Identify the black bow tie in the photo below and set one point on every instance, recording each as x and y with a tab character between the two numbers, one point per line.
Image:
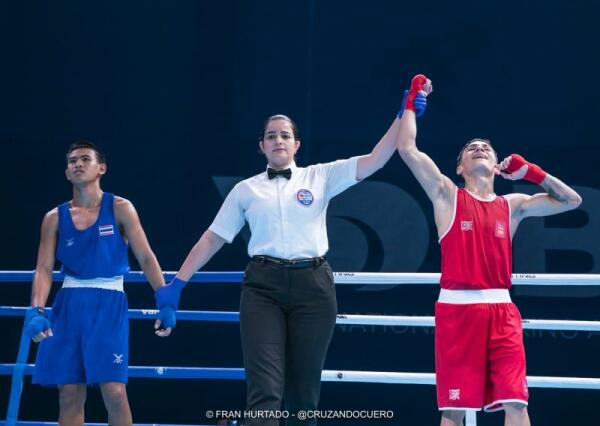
286	173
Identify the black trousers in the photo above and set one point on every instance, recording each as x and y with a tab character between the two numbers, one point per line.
287	318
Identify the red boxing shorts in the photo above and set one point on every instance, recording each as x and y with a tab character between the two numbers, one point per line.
479	356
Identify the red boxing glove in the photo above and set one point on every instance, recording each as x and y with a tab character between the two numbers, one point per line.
534	173
415	87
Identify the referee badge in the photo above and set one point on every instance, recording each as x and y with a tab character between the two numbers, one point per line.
304	197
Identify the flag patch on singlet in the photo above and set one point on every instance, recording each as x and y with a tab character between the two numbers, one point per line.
105	230
500	229
466	225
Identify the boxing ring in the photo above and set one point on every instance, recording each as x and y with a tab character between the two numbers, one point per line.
20	368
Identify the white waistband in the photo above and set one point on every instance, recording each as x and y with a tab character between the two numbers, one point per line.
459	297
114	283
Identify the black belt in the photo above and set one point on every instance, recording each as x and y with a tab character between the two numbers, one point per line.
296	263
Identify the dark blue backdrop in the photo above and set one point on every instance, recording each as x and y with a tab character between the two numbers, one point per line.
176	93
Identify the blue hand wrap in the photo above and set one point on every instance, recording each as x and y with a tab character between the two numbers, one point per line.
36	321
169	294
167	317
420	104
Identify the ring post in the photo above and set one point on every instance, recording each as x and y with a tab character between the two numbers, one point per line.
17	379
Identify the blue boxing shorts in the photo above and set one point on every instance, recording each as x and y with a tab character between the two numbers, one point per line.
90	342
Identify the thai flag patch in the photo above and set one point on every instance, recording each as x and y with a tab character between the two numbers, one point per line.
105	230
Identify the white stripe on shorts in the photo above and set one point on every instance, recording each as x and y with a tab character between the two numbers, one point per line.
463	297
114	283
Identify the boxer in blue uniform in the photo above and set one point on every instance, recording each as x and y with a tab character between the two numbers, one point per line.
84	341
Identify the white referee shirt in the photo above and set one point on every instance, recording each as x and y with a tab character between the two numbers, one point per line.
286	217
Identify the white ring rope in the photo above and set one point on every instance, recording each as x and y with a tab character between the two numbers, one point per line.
434	278
362	278
429	322
429	379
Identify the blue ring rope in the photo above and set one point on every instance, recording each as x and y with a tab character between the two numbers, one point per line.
20	368
22	423
133	276
155	372
218	316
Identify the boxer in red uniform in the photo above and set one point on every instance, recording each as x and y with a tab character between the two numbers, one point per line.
479	354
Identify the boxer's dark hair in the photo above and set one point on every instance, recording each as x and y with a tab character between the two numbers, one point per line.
83	144
465	146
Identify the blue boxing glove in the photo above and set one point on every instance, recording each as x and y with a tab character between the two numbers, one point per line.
419	104
36	321
167	301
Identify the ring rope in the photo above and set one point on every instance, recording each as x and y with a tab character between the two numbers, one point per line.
168	372
383	320
20	368
355	278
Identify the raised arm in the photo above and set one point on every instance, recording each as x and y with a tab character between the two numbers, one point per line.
368	164
37	324
558	198
437	186
383	151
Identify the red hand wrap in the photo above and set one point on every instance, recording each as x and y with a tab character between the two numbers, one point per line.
415	87
534	173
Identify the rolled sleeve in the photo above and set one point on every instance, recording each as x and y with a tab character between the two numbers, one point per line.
340	175
230	219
